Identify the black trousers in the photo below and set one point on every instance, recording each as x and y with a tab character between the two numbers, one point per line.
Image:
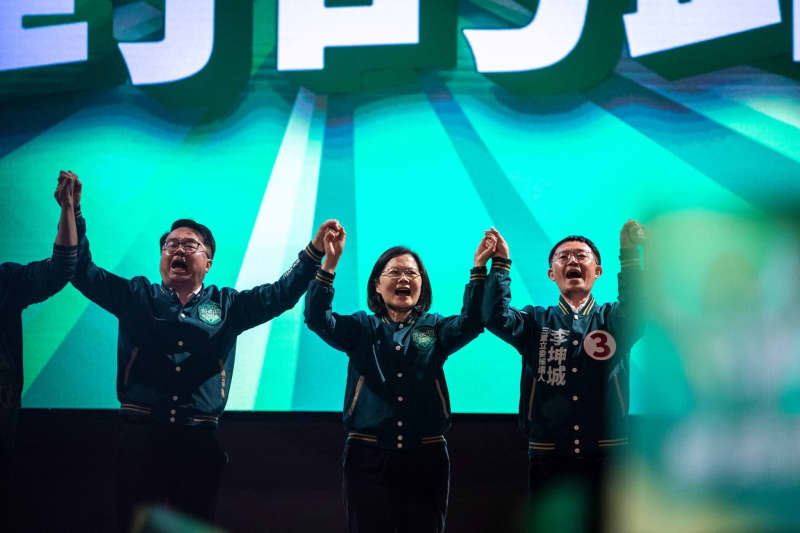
178	466
388	491
567	493
9	412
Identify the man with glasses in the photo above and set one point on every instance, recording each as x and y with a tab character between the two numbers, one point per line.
575	365
175	355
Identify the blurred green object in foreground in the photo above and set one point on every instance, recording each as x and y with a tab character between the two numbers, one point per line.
724	289
156	519
563	508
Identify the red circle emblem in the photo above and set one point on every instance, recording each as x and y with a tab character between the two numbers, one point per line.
599	345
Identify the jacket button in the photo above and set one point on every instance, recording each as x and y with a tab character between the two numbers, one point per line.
399	444
399	437
174	398
183	315
577	441
180	343
400	326
399	423
399	374
575	342
398	347
399	398
576	317
172	420
577	450
574	370
576	427
172	412
177	369
574	398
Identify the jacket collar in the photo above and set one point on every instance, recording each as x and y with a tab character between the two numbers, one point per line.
171	291
407	322
587	307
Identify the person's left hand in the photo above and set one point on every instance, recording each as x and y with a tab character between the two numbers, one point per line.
485	249
319	239
632	235
334	246
501	250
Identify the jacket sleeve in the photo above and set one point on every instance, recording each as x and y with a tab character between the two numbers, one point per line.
454	332
255	306
500	318
627	316
107	290
37	281
339	331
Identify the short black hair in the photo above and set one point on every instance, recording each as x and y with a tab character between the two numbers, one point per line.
375	301
578	238
200	229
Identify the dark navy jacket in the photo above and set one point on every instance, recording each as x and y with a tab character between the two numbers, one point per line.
575	365
396	395
174	361
21	286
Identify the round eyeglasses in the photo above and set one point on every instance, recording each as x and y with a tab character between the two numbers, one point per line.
579	255
396	273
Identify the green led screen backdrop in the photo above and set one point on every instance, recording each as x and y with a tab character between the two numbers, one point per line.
416	122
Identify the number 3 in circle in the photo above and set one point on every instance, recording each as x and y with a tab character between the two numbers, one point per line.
599	345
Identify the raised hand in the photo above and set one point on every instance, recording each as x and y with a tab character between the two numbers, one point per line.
632	235
74	189
77	189
319	239
334	246
65	190
65	196
485	250
501	249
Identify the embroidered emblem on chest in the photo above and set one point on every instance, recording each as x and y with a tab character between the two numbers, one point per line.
423	337
209	312
599	345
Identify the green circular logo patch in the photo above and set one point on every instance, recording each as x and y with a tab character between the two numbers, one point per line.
423	337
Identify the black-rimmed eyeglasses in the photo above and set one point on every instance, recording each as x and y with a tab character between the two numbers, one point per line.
189	246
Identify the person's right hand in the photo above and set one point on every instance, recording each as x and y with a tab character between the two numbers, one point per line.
77	189
485	249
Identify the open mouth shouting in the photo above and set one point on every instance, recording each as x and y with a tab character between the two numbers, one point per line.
573	273
402	297
179	265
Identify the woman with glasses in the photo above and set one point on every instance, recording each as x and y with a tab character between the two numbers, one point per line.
396	408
